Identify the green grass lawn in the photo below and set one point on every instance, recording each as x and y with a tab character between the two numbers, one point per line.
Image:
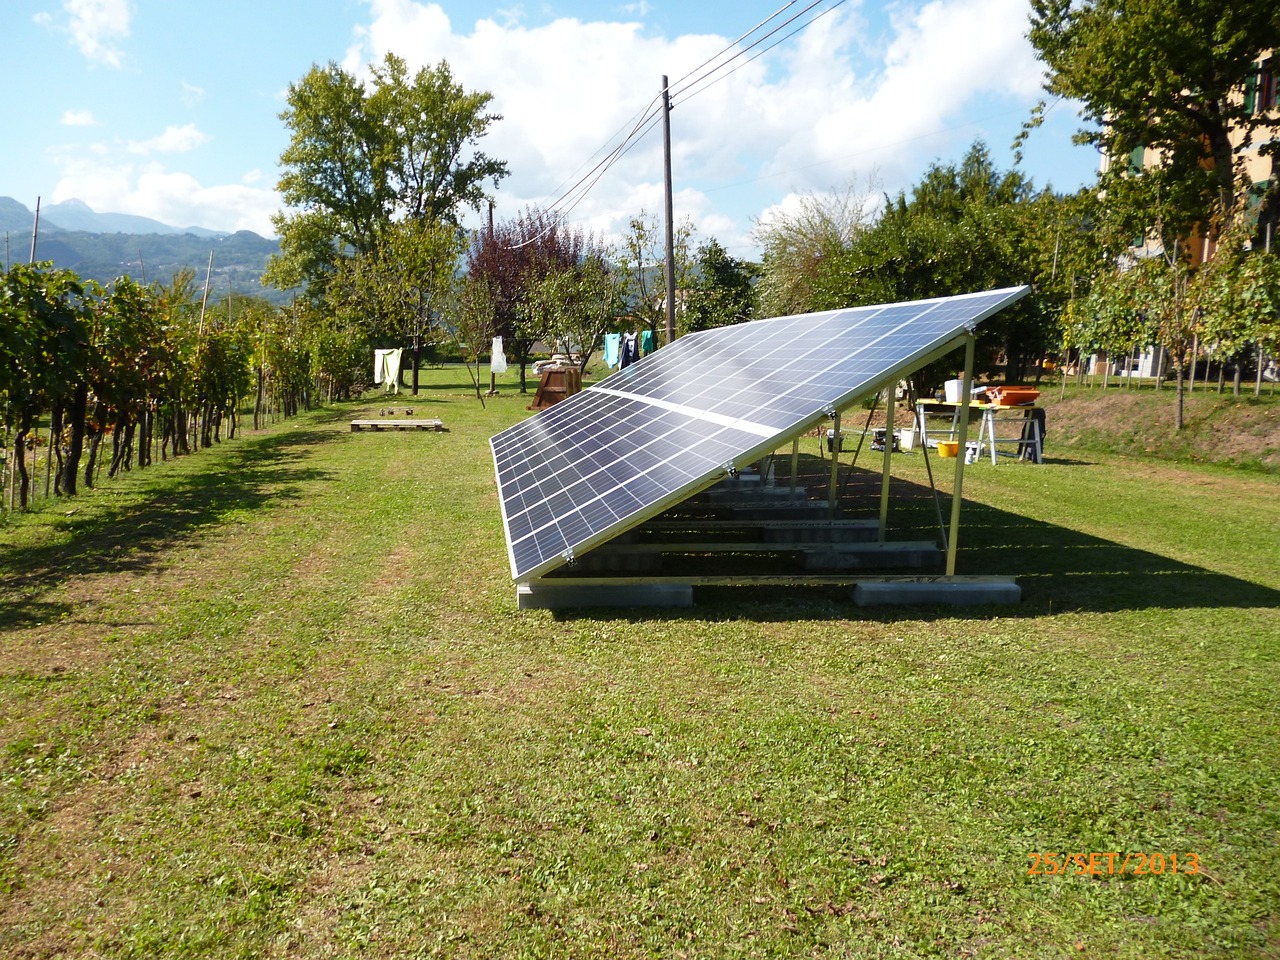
275	700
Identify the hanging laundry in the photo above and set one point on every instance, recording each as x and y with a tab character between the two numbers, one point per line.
612	349
386	370
380	366
497	359
630	349
646	342
393	371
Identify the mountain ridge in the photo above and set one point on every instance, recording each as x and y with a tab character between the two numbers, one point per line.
75	214
95	247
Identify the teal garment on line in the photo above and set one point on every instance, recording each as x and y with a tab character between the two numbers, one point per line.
646	342
612	346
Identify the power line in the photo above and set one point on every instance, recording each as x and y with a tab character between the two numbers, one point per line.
650	114
755	43
804	26
734	44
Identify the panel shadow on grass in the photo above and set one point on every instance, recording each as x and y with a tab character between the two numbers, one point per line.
1070	570
1059	569
258	472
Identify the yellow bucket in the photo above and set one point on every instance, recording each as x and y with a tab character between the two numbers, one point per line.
948	448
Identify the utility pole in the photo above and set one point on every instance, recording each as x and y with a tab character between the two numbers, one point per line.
493	377
204	301
671	251
35	231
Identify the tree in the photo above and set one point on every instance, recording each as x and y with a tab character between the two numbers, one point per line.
360	159
723	292
395	290
641	270
476	317
509	261
1168	76
797	245
580	303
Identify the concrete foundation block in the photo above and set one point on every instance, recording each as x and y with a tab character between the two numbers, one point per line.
943	591
569	596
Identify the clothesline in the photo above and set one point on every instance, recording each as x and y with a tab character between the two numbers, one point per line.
623	349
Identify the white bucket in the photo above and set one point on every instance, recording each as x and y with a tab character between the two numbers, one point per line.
952	390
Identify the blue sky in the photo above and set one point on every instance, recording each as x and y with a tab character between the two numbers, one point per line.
171	109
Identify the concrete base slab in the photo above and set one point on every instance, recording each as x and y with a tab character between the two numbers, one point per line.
553	596
946	591
894	555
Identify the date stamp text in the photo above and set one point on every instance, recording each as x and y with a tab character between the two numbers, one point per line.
1111	863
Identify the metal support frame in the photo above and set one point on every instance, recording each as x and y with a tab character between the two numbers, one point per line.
795	464
836	442
953	539
888	456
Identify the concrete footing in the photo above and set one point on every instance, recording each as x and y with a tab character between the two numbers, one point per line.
945	591
918	555
553	596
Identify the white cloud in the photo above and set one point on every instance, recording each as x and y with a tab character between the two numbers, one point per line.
853	94
173	140
94	26
835	101
191	94
78	118
171	197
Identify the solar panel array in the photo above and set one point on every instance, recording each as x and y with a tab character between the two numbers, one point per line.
651	435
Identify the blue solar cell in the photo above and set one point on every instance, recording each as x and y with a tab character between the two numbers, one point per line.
579	473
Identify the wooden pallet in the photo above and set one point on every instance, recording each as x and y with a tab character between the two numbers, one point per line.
389	424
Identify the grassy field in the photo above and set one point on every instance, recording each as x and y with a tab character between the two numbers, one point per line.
275	700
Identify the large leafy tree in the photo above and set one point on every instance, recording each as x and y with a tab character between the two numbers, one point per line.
723	292
363	157
799	244
1169	76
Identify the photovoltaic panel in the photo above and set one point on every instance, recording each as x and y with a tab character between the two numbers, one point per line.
651	435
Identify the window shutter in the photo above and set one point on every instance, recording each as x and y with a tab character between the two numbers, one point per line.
1251	91
1136	158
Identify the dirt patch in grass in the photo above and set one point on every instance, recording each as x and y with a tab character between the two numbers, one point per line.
65	867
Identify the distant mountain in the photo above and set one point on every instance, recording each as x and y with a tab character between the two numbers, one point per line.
77	215
103	246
